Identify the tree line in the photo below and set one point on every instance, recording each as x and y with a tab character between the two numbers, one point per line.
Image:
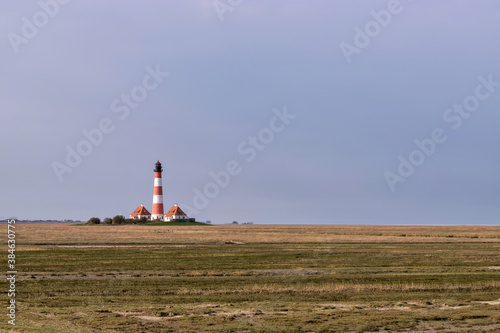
117	220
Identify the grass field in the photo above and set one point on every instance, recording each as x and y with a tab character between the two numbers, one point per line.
283	279
176	223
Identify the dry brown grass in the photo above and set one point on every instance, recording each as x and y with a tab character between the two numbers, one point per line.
325	278
34	234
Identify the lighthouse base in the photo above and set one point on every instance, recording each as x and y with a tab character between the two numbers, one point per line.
157	217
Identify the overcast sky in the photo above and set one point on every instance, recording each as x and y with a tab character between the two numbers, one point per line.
315	107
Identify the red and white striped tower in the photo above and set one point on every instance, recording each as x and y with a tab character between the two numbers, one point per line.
158	194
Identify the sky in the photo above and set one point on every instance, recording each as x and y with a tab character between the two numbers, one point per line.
272	112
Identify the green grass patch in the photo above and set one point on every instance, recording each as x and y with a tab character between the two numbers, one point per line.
178	286
176	223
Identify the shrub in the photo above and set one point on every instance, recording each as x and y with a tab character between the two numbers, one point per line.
118	219
107	220
94	220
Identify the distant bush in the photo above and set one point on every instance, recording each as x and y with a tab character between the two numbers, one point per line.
118	219
94	220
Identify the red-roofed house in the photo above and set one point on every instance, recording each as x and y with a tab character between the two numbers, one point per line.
176	214
140	213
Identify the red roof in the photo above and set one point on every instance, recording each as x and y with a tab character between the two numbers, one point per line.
175	210
141	210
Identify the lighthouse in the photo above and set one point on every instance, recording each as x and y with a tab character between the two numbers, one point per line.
158	194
